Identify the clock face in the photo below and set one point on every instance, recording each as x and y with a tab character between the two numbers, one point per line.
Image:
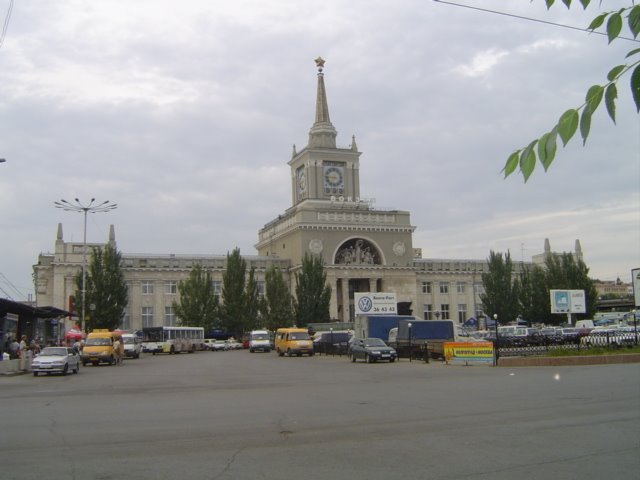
302	181
334	180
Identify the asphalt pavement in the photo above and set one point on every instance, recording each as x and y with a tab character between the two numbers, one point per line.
241	415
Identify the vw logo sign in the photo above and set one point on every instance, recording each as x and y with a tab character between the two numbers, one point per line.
365	304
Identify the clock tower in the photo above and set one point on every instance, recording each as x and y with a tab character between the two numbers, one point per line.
321	171
364	249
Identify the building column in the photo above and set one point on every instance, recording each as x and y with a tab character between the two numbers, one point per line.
373	285
345	300
333	305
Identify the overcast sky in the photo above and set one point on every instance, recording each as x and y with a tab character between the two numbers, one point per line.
185	113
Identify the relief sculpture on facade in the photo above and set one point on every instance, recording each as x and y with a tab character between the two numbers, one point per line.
357	252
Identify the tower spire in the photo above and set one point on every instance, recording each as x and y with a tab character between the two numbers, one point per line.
322	133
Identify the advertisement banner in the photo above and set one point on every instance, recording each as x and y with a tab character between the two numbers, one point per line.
378	303
468	353
568	301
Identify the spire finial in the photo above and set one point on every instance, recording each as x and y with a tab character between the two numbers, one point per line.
320	64
322	133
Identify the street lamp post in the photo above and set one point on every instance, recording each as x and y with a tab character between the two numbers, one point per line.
78	207
332	347
409	325
497	348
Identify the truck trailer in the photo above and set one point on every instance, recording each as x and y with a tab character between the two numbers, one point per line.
424	338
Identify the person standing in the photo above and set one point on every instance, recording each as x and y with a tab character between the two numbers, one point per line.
116	350
121	351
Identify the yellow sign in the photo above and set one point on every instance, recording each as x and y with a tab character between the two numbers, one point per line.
468	352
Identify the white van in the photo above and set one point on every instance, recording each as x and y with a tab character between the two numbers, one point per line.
132	345
259	340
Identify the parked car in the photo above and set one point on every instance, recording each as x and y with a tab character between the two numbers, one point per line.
56	360
219	346
208	343
371	350
132	345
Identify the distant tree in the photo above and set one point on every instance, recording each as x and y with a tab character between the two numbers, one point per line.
565	272
239	311
277	306
546	145
106	290
198	305
251	318
500	292
313	295
533	295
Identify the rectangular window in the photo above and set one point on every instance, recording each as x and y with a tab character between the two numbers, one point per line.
170	287
169	317
147	317
260	288
147	287
125	323
217	287
444	311
478	288
462	312
444	287
426	287
427	311
460	287
479	314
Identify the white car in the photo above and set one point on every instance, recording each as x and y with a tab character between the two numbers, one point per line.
132	345
56	360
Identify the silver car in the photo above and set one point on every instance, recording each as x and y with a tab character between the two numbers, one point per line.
56	360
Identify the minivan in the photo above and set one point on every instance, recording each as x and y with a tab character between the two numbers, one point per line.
293	341
259	340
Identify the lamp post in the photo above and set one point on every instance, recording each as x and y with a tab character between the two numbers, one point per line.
78	207
332	348
495	325
409	325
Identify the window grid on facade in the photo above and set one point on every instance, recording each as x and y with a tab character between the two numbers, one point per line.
462	312
169	317
147	317
444	311
460	287
216	287
170	287
147	287
444	287
427	311
426	287
125	323
260	288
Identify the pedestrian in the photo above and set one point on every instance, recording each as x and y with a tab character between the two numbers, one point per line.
23	343
14	349
116	351
121	351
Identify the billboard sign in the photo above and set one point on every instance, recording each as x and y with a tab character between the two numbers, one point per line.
568	301
375	303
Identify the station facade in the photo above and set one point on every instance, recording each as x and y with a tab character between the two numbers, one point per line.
364	249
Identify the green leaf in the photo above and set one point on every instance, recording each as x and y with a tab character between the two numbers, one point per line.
567	125
635	87
585	123
614	26
610	96
594	97
542	150
549	3
632	52
585	3
549	148
614	72
634	20
596	22
528	160
512	163
567	3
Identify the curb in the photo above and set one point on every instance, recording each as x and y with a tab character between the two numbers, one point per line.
568	361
